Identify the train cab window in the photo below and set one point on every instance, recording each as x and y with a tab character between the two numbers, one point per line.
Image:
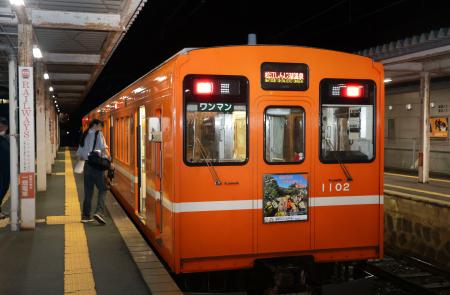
347	121
215	120
284	135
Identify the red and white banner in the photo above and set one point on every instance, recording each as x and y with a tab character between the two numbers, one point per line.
26	125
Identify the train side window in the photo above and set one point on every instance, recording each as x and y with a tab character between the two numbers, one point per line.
284	136
347	121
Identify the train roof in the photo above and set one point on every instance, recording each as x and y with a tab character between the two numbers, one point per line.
185	51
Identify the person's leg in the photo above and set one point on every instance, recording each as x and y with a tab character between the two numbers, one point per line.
4	187
101	186
88	190
2	195
1	190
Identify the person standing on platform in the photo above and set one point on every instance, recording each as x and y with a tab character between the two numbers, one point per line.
4	160
93	176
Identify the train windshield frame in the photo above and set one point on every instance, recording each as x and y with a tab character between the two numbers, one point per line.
347	121
215	120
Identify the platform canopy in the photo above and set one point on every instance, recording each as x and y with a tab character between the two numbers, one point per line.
76	37
404	60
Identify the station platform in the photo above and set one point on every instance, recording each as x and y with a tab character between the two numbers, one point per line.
64	256
437	189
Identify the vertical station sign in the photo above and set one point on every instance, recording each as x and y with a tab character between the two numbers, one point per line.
26	125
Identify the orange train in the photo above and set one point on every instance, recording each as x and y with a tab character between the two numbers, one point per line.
228	155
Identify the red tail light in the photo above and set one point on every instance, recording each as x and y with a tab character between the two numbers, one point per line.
203	87
352	91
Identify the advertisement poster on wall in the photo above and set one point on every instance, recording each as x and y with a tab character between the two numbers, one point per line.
26	126
285	197
439	127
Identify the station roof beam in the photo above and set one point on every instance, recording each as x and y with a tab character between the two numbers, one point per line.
76	38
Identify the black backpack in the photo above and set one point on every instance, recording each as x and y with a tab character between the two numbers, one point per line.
97	161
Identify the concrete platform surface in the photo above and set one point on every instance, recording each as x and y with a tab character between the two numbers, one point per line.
436	188
63	256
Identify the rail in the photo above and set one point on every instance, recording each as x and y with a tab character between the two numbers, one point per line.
411	274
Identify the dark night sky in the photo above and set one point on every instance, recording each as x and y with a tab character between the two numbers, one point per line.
166	26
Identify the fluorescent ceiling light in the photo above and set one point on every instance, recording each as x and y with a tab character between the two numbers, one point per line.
37	52
17	2
46	76
50	88
387	80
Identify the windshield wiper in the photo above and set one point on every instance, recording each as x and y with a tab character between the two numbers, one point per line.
211	168
338	159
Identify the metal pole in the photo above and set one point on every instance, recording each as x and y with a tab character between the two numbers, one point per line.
41	175
48	146
14	189
424	159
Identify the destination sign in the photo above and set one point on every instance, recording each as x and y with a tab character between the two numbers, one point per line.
216	107
284	76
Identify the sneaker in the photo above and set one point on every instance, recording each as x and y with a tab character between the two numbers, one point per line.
99	218
86	219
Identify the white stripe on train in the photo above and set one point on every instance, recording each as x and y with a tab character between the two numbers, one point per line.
254	204
257	204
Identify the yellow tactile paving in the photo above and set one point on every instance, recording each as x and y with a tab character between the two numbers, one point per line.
78	281
412	176
416	190
78	277
63	219
83	292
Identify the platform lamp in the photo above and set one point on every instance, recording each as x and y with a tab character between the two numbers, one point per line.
17	2
37	53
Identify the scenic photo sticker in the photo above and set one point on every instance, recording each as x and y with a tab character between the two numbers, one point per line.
285	197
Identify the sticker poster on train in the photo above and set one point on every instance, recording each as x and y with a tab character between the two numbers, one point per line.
285	197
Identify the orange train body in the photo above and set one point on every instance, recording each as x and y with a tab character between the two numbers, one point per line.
197	225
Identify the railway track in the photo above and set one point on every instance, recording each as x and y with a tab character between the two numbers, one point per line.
401	274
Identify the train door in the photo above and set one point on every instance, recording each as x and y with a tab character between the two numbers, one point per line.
284	174
141	162
156	146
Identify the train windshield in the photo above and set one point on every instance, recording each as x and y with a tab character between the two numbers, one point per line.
347	121
347	133
218	136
